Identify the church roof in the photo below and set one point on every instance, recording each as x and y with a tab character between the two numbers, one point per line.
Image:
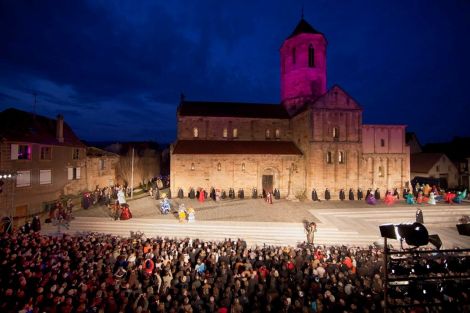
235	147
22	126
232	109
304	28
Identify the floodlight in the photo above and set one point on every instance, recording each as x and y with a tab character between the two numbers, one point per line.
463	229
414	234
388	231
435	241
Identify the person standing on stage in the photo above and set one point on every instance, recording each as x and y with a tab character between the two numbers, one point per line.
311	229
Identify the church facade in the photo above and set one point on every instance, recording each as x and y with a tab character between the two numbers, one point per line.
313	139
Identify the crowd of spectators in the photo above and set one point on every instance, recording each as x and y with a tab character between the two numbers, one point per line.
104	273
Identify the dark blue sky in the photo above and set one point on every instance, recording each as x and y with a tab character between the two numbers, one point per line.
115	69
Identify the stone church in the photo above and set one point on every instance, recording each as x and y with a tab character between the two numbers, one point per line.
314	138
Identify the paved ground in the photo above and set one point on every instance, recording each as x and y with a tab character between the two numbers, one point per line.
339	222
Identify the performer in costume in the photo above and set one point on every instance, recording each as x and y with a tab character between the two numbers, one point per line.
432	199
314	195
449	197
396	194
342	195
389	198
181	214
311	229
426	190
371	199
360	194
351	194
377	194
201	195
410	199
126	212
419	199
191	215
165	205
327	194
419	216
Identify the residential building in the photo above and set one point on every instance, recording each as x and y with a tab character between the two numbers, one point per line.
434	165
46	159
100	168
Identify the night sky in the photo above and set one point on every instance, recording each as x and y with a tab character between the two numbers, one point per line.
116	69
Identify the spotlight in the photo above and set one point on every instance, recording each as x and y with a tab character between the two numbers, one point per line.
414	234
463	229
435	241
388	231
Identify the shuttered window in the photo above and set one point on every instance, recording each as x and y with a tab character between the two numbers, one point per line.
23	179
45	177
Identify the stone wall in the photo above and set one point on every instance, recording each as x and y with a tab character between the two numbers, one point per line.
101	174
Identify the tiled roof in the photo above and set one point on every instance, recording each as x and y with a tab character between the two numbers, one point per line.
21	126
97	152
232	109
423	162
235	147
303	28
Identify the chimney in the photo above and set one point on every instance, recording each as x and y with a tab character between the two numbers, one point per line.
60	129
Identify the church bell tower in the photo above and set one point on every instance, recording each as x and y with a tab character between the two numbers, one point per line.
303	67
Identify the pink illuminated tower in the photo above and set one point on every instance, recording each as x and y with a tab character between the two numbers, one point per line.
303	67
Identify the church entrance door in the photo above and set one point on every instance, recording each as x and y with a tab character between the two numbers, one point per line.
268	183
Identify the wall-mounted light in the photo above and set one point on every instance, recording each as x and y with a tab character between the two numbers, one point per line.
192	166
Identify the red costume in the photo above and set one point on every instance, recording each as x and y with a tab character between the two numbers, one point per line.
389	199
126	213
201	195
449	197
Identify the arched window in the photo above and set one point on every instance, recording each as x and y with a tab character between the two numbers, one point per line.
382	142
219	166
192	166
381	171
268	133
335	132
195	132
341	157
329	159
294	58
311	56
243	167
225	133
278	133
235	133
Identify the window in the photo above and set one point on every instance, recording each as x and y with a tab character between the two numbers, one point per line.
382	142
20	152
437	168
73	173
381	171
225	133
195	132
293	56
341	157
219	166
329	157
311	56
235	133
45	177
335	132
278	133
268	133
192	166
243	167
76	154
23	179
46	153
102	164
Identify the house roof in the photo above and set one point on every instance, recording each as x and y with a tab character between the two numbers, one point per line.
235	147
232	109
97	152
303	27
22	126
423	162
